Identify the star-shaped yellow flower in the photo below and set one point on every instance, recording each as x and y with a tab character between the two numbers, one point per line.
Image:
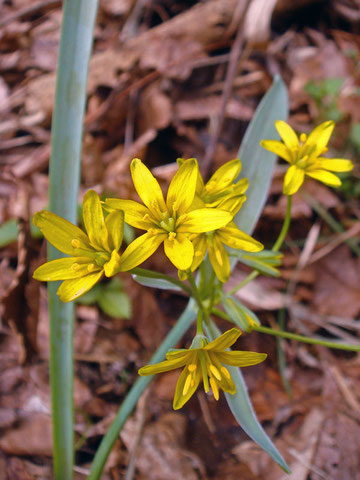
214	242
170	222
204	361
305	156
92	254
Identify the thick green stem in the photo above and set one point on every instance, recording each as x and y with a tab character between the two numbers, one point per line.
64	173
194	290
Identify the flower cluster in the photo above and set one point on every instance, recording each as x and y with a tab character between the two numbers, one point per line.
305	156
205	361
195	218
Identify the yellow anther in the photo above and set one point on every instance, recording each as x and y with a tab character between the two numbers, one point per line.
225	372
192	367
214	388
146	216
187	384
91	267
218	256
75	266
172	236
198	253
303	138
192	382
75	243
152	231
215	372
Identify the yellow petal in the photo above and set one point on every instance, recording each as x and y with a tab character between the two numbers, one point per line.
60	233
63	269
112	267
114	223
287	134
278	148
179	397
334	164
94	221
325	177
232	203
241	359
203	220
139	250
293	180
179	250
200	249
147	188
224	176
165	366
320	136
178	353
71	289
136	215
233	237
224	341
219	259
182	188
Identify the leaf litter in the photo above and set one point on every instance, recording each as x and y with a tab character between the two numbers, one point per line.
155	89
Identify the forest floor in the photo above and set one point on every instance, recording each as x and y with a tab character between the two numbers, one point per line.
156	89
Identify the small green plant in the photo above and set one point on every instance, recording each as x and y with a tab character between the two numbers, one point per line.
326	95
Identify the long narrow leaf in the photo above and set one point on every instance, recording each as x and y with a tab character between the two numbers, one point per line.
258	163
258	166
64	172
242	409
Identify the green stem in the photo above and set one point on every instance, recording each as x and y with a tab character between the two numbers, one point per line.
182	325
194	290
285	227
157	275
64	176
199	323
301	338
245	281
275	248
293	336
281	353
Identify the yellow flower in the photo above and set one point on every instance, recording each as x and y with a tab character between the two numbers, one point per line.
213	242
305	156
221	185
204	361
170	222
92	254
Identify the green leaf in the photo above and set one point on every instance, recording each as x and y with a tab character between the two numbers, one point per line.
265	261
242	409
156	283
115	303
258	163
8	232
